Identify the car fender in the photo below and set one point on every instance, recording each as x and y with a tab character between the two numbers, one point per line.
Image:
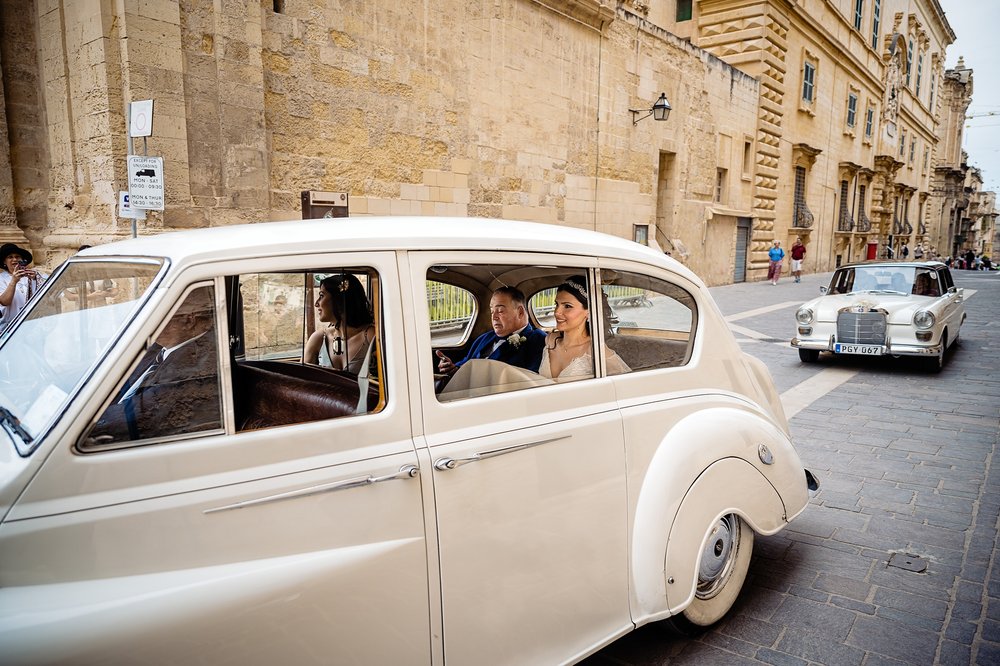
710	462
731	485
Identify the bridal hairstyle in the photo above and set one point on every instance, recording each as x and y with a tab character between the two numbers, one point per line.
576	286
350	304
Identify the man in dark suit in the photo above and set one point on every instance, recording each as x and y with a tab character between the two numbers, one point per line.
174	389
513	339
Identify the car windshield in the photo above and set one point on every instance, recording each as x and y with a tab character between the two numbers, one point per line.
68	329
873	279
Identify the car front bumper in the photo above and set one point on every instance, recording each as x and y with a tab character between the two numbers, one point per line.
891	348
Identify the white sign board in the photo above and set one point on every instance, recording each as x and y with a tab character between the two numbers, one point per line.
125	208
145	182
140	118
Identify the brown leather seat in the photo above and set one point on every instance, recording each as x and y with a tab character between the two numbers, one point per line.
273	393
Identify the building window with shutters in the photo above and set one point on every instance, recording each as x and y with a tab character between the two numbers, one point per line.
876	18
869	123
801	216
913	150
852	110
920	73
859	12
909	62
930	102
683	10
808	82
902	143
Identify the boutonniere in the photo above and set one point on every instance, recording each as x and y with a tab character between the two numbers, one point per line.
516	340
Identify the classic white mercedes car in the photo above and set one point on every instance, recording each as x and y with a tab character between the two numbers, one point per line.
888	308
184	480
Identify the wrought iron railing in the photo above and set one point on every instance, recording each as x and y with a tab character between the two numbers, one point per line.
864	224
803	218
844	222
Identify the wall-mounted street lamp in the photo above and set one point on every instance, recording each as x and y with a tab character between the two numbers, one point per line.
660	110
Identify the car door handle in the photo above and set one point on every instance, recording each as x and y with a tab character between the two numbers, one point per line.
407	471
446	463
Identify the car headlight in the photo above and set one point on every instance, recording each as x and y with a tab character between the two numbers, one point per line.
923	319
804	316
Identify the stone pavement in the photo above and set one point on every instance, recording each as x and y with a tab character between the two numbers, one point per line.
905	458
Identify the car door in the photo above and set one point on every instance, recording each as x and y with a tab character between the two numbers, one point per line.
300	543
954	302
529	498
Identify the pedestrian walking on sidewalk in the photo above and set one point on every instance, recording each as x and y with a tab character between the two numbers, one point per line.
775	255
798	254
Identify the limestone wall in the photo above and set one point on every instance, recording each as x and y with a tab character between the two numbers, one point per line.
513	109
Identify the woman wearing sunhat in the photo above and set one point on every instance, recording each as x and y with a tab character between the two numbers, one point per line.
18	283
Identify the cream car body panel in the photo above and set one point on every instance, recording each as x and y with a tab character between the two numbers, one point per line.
529	526
537	484
257	529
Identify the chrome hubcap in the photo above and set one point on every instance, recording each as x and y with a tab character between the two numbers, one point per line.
718	556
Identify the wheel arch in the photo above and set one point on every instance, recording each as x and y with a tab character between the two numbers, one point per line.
730	485
718	449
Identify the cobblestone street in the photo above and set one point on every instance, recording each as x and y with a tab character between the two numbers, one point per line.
895	560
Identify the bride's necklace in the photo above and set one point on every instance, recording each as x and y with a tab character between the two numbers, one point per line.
338	340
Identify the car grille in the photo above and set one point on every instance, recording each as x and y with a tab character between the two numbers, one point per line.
866	328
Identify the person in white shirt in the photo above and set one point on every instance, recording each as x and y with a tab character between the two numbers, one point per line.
18	282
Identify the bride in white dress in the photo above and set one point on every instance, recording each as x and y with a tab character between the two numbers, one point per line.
568	353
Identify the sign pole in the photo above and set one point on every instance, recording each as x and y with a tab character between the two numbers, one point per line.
128	138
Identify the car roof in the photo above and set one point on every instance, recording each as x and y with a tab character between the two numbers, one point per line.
893	264
379	234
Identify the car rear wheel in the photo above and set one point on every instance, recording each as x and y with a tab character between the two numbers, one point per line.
808	355
722	569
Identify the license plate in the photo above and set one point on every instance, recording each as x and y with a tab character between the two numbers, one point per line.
866	350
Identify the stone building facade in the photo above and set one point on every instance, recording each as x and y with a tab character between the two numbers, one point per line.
949	197
847	129
507	108
978	223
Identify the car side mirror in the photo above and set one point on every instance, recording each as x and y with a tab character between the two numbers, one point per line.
822	290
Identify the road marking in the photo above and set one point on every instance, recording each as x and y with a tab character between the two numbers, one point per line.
797	398
750	333
763	310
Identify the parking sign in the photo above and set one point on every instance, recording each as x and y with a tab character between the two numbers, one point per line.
145	182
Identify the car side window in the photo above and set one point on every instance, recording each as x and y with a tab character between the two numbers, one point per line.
305	346
274	314
506	331
925	283
174	388
650	322
452	312
946	280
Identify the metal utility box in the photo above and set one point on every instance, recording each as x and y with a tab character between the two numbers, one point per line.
323	204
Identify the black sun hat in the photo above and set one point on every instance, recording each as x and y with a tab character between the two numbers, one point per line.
8	249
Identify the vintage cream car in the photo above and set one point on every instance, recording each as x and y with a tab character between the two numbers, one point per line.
888	308
177	486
